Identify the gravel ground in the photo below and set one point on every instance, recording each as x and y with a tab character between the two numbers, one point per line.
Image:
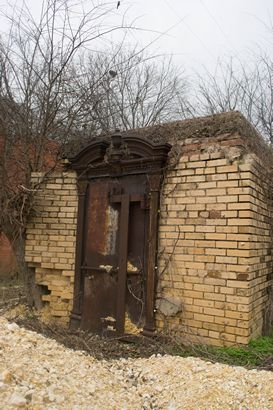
38	373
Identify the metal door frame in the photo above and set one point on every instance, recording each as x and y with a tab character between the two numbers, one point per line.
122	156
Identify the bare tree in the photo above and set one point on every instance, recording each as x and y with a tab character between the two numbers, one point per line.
36	60
54	87
235	86
132	90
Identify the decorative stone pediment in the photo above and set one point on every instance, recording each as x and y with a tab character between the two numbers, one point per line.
120	155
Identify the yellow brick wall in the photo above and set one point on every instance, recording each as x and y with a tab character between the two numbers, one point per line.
51	240
215	243
215	247
261	247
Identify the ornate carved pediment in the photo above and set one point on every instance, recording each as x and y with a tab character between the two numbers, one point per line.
120	155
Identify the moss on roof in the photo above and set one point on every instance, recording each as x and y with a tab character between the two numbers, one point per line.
195	130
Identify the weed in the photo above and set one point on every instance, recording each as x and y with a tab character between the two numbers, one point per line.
254	354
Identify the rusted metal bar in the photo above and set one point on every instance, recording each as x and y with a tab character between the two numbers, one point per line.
122	271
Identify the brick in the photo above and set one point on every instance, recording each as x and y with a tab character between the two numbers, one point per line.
213	311
209	171
227	184
226	259
226	321
203	318
238	284
204	228
228	244
216	251
227	169
216	192
241	205
217	162
227	291
207	200
229	214
196	178
193	294
242	340
215	236
197	164
194	323
214	296
234	175
217	154
206	185
214	280
238	221
203	288
227	198
214	326
229	337
203	302
214	208
194	265
237	315
213	334
237	299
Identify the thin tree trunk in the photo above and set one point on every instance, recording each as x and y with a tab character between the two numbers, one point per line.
26	274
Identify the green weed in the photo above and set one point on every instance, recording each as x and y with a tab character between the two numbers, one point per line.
254	354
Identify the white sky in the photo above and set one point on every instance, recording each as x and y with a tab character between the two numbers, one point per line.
207	30
198	32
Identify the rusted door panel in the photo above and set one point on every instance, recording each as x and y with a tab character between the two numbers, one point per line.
101	243
100	258
99	303
113	264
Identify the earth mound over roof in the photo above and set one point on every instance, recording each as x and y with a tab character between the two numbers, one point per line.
211	126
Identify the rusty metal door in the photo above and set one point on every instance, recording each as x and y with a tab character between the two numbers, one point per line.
114	255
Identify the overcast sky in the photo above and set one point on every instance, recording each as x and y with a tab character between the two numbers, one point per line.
197	32
205	30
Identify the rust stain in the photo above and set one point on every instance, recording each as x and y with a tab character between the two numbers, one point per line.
103	221
112	229
98	217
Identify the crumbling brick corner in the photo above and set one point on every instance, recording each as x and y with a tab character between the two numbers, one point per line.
51	241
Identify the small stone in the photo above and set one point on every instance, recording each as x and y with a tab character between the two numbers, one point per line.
17	400
59	399
28	395
12	327
91	389
169	305
6	376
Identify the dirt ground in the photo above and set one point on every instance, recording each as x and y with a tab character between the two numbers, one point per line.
135	346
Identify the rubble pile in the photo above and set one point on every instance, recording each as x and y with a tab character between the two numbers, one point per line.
38	373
